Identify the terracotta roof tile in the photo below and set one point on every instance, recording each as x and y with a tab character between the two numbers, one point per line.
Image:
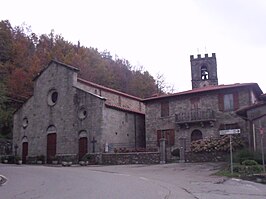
108	89
207	89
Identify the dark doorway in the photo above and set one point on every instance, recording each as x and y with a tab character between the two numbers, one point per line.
24	152
196	135
83	147
51	147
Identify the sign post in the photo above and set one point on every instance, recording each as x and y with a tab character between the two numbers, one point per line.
230	132
231	155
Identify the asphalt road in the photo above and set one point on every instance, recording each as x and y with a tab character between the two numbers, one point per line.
180	180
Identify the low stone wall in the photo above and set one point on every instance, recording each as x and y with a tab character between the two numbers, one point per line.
125	158
67	158
207	157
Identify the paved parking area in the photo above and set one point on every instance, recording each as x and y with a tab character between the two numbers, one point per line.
179	180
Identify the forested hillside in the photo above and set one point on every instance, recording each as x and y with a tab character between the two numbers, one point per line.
23	54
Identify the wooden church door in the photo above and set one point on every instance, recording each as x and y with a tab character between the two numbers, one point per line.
51	146
83	146
24	152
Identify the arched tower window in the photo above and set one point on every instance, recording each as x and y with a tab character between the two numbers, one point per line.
204	73
196	135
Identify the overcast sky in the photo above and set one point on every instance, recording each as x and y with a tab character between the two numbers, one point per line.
159	34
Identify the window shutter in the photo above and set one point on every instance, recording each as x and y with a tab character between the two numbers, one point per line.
159	136
236	101
221	102
172	137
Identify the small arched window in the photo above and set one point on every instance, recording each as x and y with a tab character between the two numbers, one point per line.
204	73
196	135
51	129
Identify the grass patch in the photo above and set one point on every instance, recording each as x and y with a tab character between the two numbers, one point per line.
227	173
249	171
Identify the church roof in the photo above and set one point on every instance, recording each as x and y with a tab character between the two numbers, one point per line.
86	82
254	86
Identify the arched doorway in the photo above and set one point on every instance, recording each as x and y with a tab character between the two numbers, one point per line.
196	135
25	148
83	144
51	143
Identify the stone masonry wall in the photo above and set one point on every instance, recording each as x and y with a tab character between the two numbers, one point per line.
114	98
180	104
123	129
126	158
63	115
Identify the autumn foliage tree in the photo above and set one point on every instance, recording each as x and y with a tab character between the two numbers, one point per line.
23	54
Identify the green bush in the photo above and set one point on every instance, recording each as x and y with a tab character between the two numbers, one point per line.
245	154
242	155
249	162
247	170
40	158
176	152
86	157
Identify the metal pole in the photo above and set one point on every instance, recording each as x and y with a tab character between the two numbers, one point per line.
231	154
261	145
254	137
262	153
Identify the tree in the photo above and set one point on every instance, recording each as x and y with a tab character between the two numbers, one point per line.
5	113
6	42
23	54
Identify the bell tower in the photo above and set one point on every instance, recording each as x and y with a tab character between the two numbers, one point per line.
203	71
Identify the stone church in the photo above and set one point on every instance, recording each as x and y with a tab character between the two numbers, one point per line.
69	117
205	111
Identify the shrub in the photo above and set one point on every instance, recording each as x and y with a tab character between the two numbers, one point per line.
245	154
249	162
11	159
248	170
40	158
242	155
86	157
3	158
176	152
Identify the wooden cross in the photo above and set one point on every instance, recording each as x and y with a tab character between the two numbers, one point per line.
93	144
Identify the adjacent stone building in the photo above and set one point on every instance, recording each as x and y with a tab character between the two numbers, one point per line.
69	117
199	113
255	117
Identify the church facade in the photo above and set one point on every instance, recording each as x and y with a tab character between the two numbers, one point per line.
69	117
203	112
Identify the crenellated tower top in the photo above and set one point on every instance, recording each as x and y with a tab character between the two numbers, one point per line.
203	71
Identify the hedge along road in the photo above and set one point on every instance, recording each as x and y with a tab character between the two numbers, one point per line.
181	180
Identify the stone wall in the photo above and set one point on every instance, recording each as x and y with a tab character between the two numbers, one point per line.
112	96
125	158
122	128
182	104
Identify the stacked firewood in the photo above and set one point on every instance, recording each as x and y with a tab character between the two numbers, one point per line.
217	144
